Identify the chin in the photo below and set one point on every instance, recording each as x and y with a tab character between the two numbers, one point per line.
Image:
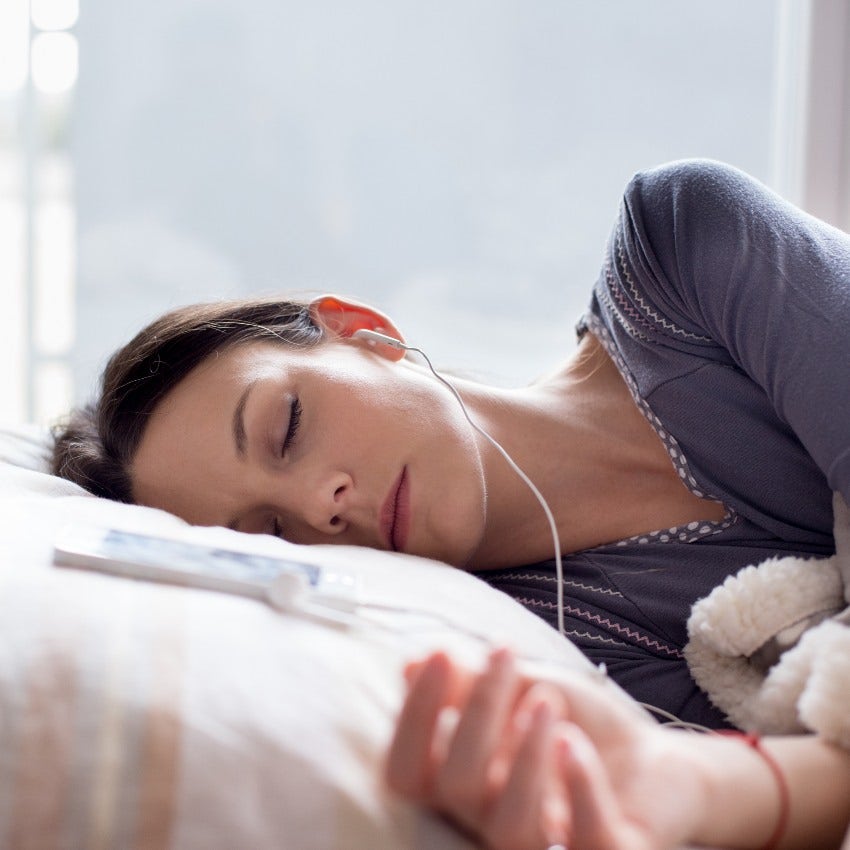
455	534
453	553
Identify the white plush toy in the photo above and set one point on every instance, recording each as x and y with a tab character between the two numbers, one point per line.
771	645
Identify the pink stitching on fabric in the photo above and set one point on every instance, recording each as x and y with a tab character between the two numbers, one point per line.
567	583
626	308
637	637
665	323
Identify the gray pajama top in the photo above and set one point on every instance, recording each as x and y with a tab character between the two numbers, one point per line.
727	311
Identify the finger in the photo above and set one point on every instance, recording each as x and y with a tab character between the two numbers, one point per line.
597	704
412	670
462	784
462	678
410	764
595	813
527	698
520	816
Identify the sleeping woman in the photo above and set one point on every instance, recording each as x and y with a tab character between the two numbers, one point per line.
701	425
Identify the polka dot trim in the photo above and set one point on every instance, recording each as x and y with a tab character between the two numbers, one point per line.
689	532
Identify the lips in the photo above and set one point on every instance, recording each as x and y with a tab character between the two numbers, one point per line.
395	514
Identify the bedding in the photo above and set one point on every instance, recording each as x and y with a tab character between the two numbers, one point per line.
771	645
134	714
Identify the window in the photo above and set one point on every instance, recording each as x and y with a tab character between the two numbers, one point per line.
812	125
37	215
457	163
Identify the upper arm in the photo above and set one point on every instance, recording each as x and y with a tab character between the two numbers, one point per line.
741	270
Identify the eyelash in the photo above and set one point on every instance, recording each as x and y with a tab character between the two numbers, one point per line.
291	433
294	422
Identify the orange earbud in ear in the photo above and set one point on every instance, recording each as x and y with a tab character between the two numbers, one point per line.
373	338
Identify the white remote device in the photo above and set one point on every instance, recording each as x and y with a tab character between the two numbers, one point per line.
280	581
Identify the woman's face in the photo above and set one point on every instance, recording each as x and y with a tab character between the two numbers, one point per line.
333	444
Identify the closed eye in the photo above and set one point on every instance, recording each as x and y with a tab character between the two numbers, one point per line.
294	422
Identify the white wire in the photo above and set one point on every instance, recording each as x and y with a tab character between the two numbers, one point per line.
556	540
668	718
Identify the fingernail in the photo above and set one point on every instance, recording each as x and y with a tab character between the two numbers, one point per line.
542	713
563	750
522	721
500	659
538	713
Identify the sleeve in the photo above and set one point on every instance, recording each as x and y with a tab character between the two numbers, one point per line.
766	283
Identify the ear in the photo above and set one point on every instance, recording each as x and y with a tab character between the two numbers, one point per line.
340	318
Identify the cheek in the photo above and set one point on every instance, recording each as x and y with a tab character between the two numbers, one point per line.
455	506
457	528
391	411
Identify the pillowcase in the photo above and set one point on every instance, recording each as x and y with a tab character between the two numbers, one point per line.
137	714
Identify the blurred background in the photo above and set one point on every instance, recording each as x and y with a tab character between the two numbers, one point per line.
457	163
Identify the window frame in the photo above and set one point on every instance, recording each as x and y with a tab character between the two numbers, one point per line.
811	155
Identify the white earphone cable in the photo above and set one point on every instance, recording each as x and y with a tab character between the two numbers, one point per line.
374	337
556	540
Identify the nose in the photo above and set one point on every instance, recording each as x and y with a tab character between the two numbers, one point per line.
324	502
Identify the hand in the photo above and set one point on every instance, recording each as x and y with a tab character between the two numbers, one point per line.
523	765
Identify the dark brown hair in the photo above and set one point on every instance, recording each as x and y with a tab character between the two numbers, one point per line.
95	446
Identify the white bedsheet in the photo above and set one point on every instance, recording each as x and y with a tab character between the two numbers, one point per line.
141	715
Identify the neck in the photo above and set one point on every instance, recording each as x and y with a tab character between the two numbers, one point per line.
569	434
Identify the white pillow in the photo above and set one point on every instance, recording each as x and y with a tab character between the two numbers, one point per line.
27	446
136	714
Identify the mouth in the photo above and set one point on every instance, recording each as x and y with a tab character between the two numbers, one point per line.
395	514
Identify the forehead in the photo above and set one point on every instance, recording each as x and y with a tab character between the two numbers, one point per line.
245	361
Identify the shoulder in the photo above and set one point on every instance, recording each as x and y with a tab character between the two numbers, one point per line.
687	222
690	179
694	199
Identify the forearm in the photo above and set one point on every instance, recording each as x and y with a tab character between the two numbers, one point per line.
742	802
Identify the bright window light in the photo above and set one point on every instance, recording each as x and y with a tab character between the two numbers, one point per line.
53	392
14	36
55	14
54	278
13	252
55	61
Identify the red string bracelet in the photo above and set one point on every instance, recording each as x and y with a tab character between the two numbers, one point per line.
753	739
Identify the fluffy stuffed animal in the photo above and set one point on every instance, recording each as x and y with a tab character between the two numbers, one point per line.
771	645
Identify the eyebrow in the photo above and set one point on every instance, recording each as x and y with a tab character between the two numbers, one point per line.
239	435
